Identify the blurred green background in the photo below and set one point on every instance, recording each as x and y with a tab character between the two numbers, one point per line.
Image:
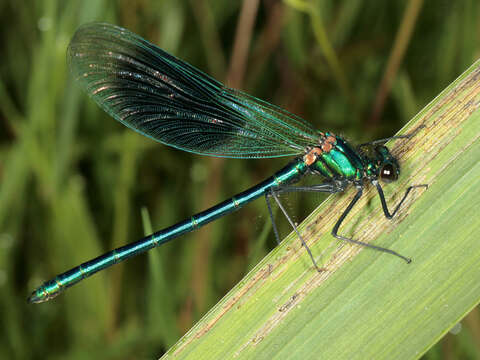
74	183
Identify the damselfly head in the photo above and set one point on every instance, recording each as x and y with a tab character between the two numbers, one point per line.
388	166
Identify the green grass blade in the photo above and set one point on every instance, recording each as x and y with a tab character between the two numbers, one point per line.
368	304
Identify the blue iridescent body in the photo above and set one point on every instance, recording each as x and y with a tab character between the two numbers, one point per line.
168	100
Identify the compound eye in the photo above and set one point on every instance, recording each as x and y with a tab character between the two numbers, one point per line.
388	173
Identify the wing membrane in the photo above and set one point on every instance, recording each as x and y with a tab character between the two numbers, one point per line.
168	100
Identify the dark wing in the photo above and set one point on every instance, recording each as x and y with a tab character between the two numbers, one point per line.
170	101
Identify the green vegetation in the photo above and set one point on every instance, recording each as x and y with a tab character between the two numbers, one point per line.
73	182
365	306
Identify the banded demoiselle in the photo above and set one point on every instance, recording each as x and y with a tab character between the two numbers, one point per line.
170	101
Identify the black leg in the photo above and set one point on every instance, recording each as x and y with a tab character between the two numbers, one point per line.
384	203
357	196
329	187
274	225
383	141
277	200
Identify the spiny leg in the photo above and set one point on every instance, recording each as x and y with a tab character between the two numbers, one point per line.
357	196
277	200
329	187
384	140
384	203
272	219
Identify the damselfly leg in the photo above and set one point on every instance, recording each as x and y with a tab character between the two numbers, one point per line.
384	202
384	140
330	187
350	206
334	187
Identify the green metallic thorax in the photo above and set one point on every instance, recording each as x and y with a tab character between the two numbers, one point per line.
341	162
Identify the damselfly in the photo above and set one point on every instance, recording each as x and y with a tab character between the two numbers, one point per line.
168	100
